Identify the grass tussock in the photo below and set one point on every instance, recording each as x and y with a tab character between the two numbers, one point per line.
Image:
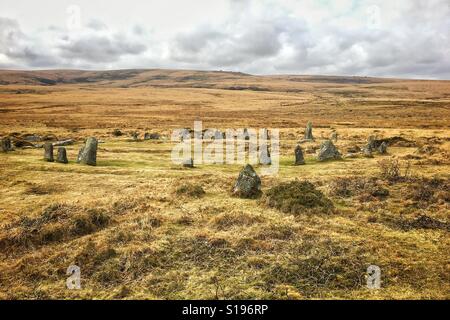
190	190
297	197
56	222
425	192
365	189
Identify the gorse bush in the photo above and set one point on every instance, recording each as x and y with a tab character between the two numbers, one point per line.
391	170
297	197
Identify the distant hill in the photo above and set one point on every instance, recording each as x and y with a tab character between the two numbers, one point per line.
171	78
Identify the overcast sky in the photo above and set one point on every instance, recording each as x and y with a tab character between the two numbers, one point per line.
389	38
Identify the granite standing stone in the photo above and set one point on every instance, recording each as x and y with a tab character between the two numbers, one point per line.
48	152
62	155
88	153
328	151
308	131
299	158
382	149
248	184
264	155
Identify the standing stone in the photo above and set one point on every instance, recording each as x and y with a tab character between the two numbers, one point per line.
48	152
88	153
371	143
62	155
334	136
6	144
308	131
382	149
188	163
248	184
246	134
328	151
264	155
299	159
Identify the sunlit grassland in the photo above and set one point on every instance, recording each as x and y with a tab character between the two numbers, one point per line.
148	242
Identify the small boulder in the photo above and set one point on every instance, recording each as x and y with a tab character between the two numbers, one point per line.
308	132
117	133
48	152
62	155
88	153
248	184
299	158
328	151
151	136
367	152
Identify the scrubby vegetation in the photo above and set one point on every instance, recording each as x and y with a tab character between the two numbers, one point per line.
140	227
190	190
297	197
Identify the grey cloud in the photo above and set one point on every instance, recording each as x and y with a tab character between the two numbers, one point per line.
16	46
95	48
217	47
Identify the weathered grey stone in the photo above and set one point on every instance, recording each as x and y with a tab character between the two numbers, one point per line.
63	143
367	152
62	155
371	143
328	151
308	131
6	144
151	136
117	133
264	155
246	134
248	184
88	153
31	137
351	155
334	136
382	149
48	152
188	163
299	158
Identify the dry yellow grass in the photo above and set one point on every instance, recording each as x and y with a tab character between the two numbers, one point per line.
133	236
